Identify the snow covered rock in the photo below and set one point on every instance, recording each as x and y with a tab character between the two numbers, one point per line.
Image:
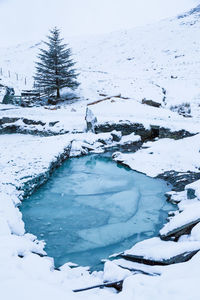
113	273
182	223
77	149
151	103
193	190
157	252
2	93
91	120
117	135
130	139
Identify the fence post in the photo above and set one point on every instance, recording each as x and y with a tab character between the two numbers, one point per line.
1	71
9	74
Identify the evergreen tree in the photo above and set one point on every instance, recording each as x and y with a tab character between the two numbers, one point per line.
54	70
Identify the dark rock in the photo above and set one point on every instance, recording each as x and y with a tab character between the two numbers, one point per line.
51	124
126	128
191	194
179	179
11	128
33	122
155	131
151	103
129	147
183	257
6	120
176	135
9	96
177	232
116	135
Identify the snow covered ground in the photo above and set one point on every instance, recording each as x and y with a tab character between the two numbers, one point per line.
159	62
165	155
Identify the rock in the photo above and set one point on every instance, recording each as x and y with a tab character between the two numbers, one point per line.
126	128
191	193
105	138
7	120
151	103
2	93
176	197
193	190
155	251
91	120
179	179
176	135
180	230
113	272
183	257
117	135
117	156
32	122
51	124
182	223
8	98
78	149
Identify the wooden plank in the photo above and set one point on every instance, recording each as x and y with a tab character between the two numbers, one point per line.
108	98
117	285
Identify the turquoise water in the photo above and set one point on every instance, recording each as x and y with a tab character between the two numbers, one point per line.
91	208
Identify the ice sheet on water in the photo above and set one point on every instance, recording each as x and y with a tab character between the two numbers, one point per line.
92	208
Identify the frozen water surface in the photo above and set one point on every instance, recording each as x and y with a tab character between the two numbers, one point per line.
91	208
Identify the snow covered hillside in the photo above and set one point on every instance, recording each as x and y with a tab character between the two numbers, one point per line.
158	62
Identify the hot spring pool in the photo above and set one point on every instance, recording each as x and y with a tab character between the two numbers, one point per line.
91	208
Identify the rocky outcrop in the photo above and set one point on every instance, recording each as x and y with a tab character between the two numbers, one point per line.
6	120
126	128
28	126
179	179
183	257
176	135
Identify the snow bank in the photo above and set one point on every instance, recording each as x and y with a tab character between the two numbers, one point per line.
165	155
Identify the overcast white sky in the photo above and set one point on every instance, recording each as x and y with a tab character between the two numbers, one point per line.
24	20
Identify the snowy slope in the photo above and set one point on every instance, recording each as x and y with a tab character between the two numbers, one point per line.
140	63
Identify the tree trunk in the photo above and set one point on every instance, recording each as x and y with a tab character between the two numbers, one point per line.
58	93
